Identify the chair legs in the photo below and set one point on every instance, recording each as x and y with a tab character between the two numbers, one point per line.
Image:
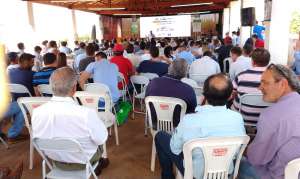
4	143
116	133
146	124
104	155
31	152
153	155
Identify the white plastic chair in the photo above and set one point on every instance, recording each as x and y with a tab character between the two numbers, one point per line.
64	146
45	89
199	78
142	81
18	88
225	62
254	100
164	108
27	104
91	99
292	169
4	143
198	89
125	90
218	154
150	76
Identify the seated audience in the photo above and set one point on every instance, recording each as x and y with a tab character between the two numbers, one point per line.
223	51
134	59
296	64
175	88
61	60
103	72
22	75
240	62
204	66
42	76
53	47
211	120
124	65
154	65
38	60
278	134
64	49
145	51
168	55
184	53
247	82
90	52
12	59
79	55
83	124
21	48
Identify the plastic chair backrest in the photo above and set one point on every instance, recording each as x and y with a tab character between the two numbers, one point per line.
45	89
292	169
198	89
218	154
18	88
164	108
199	78
254	100
28	104
139	80
91	99
225	62
150	76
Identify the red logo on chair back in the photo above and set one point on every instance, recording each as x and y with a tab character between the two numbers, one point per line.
89	100
220	152
35	106
164	107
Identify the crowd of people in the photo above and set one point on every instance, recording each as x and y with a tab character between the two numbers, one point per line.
249	72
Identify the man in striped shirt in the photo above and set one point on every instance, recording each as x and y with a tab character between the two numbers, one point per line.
247	82
42	76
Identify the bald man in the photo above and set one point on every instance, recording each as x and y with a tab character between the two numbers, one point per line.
211	120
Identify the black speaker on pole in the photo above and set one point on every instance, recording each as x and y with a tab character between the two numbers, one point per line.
248	16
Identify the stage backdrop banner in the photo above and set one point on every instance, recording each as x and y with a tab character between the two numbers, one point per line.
166	26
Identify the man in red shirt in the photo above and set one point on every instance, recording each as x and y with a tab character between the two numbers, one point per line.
258	43
124	64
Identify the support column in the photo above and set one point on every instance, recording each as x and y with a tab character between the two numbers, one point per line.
279	31
74	22
30	15
235	15
226	21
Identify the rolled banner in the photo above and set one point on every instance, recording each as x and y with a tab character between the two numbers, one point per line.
4	91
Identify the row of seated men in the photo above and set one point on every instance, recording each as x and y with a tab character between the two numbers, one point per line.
278	84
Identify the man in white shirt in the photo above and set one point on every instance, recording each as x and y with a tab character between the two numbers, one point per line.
12	58
63	117
205	66
240	63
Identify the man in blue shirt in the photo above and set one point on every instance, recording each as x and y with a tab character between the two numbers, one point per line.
154	65
103	72
42	76
211	120
185	54
21	75
258	29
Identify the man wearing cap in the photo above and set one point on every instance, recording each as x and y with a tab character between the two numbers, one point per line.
12	58
22	75
124	65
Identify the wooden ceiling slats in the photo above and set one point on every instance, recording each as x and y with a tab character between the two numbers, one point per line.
145	7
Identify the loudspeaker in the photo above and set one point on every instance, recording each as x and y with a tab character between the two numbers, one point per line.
248	16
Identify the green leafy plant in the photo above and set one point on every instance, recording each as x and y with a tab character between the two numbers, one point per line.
295	23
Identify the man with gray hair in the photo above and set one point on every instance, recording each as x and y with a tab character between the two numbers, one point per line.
171	86
63	117
278	128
